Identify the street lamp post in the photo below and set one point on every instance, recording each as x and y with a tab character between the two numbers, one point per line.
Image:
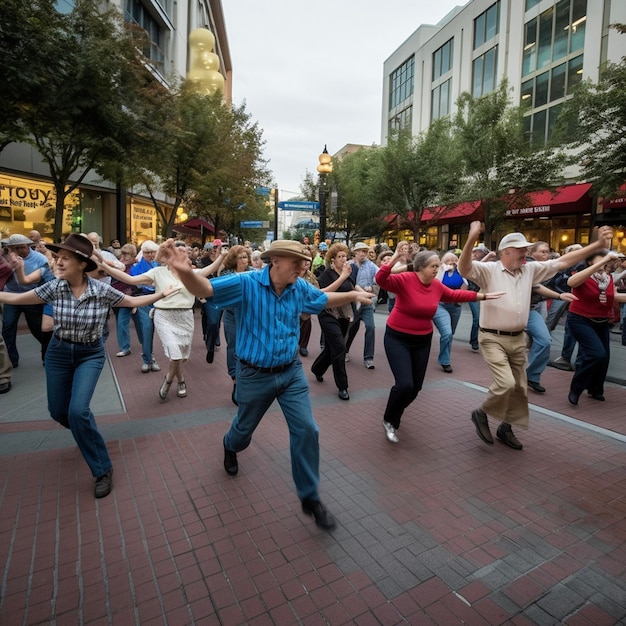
324	168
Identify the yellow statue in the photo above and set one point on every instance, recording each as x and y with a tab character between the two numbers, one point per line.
204	63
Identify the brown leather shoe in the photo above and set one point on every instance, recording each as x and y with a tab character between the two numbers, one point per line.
479	417
506	436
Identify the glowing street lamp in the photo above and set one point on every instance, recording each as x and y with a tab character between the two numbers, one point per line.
324	168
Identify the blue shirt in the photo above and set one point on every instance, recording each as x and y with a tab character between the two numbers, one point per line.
365	273
141	267
33	261
268	324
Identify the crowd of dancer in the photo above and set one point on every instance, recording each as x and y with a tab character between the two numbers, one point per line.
266	300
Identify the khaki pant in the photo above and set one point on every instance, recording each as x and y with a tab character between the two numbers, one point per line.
507	399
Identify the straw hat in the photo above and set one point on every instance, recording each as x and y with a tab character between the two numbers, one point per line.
286	247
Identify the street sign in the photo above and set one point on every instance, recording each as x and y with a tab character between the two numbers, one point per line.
254	224
297	205
263	191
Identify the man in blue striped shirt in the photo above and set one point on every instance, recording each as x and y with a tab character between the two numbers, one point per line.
268	305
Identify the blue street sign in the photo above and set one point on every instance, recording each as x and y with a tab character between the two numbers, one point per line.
253	224
263	191
297	205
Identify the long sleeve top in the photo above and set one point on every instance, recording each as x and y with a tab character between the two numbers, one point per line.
416	302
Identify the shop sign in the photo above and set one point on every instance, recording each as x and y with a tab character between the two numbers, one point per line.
528	211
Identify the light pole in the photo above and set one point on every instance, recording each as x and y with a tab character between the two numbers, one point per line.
324	168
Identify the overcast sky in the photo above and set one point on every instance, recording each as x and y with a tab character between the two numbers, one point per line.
310	73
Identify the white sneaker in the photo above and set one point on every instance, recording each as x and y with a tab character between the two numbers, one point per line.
347	357
390	433
369	364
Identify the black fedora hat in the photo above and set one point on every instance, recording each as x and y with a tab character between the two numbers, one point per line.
78	245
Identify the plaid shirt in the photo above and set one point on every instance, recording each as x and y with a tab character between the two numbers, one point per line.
82	320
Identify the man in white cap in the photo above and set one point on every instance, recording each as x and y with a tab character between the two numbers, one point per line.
268	306
33	260
363	274
502	322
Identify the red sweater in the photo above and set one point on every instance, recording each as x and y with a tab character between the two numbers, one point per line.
416	302
588	303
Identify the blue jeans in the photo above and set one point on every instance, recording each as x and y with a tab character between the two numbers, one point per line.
255	393
446	319
592	362
569	342
147	333
124	315
408	359
539	353
72	372
475	309
11	316
230	333
365	313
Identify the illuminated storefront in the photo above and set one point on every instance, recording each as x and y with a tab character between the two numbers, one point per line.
143	221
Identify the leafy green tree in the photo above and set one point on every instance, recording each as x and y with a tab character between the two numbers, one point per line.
28	45
499	165
413	174
358	212
84	117
593	123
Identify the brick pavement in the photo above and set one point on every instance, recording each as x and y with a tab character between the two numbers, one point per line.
439	529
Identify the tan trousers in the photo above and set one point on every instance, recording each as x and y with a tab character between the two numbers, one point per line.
507	399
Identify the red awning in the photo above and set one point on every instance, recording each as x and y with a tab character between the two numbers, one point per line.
619	202
466	211
195	227
570	199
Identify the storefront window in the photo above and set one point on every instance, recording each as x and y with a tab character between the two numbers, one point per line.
143	222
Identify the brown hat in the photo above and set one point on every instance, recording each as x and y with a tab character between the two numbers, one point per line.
286	247
78	245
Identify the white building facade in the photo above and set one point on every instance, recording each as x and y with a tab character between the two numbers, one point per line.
543	47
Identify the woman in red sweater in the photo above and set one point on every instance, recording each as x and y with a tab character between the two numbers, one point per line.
409	329
588	320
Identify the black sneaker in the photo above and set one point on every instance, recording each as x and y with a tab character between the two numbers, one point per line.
104	484
315	508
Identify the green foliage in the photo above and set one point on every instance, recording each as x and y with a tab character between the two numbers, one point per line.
593	123
500	167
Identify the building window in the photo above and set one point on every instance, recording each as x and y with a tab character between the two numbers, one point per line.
136	13
487	25
440	105
401	120
442	60
531	3
401	83
555	34
484	73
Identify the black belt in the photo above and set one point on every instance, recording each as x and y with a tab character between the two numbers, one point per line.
77	343
267	370
507	333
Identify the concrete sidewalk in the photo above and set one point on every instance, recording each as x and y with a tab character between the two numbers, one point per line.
439	529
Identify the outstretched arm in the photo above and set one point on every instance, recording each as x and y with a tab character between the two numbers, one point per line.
605	235
465	260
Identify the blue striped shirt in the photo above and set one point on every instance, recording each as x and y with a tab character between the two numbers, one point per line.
268	325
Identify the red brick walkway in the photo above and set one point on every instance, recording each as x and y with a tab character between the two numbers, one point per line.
440	529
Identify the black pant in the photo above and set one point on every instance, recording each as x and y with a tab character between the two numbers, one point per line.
408	359
334	352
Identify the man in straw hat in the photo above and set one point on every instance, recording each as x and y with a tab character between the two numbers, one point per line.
33	261
501	337
268	306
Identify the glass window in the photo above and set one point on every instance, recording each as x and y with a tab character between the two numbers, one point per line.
477	83
487	25
544	54
527	93
557	85
561	30
529	62
541	89
401	83
531	3
479	31
579	21
574	73
440	106
539	128
442	60
553	114
489	78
